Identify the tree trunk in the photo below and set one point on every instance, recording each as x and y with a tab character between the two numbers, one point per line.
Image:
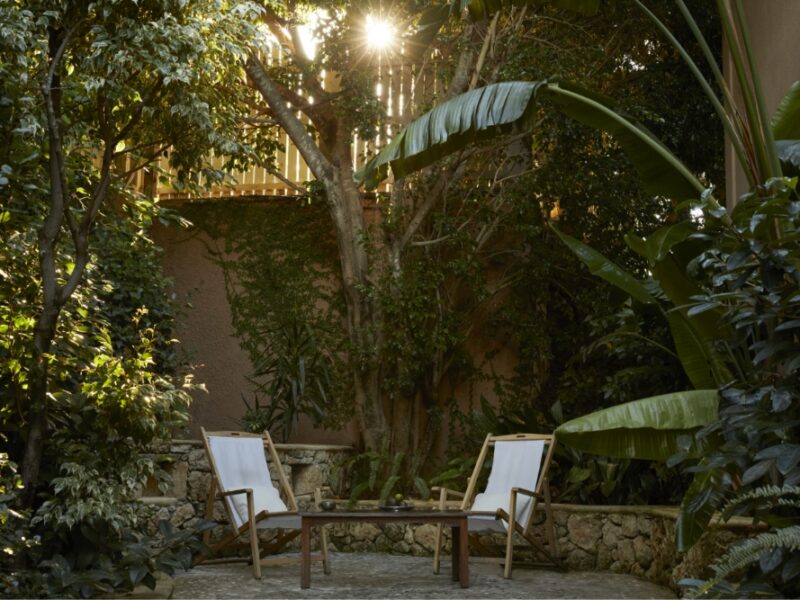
363	317
37	413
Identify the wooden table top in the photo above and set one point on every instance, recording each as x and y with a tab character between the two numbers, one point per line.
371	513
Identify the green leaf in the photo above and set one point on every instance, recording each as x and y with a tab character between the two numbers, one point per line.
602	267
697	357
429	23
657	246
697	507
136	573
661	172
470	117
503	108
646	428
786	120
789	156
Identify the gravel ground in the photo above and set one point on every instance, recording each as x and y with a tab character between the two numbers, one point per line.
390	576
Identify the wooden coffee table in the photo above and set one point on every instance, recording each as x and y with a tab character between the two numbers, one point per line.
455	519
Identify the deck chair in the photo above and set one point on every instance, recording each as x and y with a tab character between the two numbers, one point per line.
516	488
240	476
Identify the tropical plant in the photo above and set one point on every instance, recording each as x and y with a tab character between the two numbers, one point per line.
776	552
382	474
716	272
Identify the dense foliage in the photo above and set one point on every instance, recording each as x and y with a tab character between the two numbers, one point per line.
91	94
748	268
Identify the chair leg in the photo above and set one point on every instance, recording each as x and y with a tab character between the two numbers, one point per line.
253	531
509	553
212	490
549	525
437	549
512	521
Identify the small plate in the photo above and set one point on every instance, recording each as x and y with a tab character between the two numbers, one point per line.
397	508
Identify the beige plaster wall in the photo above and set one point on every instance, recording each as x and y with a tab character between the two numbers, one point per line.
207	338
773	26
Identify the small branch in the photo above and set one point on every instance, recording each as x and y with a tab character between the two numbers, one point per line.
81	240
432	242
258	121
487	42
288	182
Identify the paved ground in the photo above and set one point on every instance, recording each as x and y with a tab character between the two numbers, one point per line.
389	576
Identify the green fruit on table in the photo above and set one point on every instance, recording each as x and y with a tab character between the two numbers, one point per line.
398	497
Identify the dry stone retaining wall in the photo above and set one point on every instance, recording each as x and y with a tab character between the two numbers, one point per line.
637	540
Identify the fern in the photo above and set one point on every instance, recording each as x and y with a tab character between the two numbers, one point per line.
769	494
748	552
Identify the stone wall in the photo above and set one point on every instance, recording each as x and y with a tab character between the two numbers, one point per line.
637	540
306	467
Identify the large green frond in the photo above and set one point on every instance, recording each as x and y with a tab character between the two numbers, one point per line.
648	428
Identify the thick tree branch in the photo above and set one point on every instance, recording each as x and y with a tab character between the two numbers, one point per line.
59	193
82	239
296	130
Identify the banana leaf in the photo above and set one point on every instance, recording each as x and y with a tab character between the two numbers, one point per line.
786	120
471	117
501	108
647	429
661	172
698	358
606	269
698	506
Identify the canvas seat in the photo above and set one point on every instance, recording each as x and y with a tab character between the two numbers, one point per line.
240	476
516	489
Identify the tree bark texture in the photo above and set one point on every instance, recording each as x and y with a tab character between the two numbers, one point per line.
330	161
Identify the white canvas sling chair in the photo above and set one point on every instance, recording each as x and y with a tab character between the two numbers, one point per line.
516	488
240	476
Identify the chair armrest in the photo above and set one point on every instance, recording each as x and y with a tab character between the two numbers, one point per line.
524	492
447	491
235	492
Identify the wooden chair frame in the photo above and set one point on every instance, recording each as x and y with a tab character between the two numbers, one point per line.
541	495
250	526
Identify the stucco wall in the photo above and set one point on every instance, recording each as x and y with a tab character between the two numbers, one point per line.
207	339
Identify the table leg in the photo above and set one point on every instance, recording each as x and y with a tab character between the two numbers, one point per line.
463	553
455	540
305	554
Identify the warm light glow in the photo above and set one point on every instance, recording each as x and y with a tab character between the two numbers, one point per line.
308	32
380	33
